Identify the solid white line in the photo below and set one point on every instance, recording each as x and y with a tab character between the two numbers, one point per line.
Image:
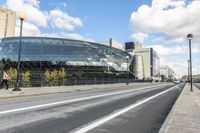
109	117
70	101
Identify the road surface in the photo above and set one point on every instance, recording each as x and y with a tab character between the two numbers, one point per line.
197	85
114	110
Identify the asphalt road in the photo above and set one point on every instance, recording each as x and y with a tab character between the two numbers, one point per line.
124	110
197	85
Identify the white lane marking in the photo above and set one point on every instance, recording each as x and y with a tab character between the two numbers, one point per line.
122	111
70	101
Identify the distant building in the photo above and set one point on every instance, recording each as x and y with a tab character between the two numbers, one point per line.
7	22
196	78
146	62
113	43
166	73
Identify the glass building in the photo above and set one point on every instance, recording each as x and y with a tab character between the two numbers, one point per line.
67	52
155	63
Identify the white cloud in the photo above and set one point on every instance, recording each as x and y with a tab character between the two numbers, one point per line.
169	22
64	4
31	8
58	4
33	2
195	48
196	70
62	20
175	49
139	36
163	50
37	18
75	36
29	29
179	66
170	56
78	37
172	17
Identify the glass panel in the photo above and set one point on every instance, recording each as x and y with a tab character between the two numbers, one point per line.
69	51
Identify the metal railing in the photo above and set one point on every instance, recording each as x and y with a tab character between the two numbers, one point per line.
71	81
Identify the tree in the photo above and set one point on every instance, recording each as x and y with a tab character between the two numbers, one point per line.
26	79
61	75
12	73
54	77
47	77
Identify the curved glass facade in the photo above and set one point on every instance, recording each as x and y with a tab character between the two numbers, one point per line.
71	52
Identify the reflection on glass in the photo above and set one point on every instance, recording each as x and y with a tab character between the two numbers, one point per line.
69	51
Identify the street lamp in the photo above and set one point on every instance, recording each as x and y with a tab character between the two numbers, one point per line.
21	16
188	71
127	58
151	73
190	37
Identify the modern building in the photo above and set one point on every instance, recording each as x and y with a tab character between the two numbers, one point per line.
166	73
7	22
78	57
146	62
113	43
130	46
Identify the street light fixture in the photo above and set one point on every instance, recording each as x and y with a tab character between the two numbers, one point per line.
127	58
190	37
21	16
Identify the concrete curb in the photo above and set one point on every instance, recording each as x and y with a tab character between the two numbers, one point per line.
36	94
68	89
22	94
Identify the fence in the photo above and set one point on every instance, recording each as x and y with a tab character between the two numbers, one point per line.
72	81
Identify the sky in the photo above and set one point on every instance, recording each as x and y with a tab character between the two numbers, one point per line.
161	24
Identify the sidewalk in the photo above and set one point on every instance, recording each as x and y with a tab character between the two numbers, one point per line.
34	91
185	114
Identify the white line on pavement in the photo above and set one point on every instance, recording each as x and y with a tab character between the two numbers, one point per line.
122	111
71	101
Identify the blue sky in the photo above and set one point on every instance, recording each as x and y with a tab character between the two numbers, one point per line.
102	19
161	24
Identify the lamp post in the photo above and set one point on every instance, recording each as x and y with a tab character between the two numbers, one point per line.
188	71
151	73
21	16
190	37
127	58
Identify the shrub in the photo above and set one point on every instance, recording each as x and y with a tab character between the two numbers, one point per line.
26	79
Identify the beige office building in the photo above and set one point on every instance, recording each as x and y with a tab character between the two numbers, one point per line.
113	43
146	62
167	74
7	22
